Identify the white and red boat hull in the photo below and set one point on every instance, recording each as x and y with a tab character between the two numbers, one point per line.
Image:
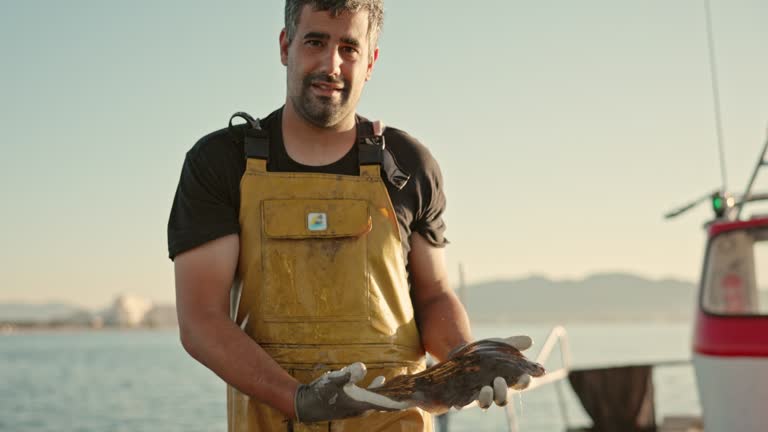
733	392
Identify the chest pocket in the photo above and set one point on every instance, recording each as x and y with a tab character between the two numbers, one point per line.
314	260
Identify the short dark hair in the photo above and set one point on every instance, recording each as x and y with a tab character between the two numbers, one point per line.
375	9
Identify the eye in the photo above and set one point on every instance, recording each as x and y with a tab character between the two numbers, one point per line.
349	50
316	43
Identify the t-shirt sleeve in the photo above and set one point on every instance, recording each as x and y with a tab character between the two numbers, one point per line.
203	208
429	220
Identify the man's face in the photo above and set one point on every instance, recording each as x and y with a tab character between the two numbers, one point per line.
328	63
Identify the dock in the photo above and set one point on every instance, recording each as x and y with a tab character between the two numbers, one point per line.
681	424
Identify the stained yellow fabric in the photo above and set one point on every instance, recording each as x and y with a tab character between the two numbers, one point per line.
324	285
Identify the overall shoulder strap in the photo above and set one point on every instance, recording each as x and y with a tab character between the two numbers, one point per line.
373	151
255	139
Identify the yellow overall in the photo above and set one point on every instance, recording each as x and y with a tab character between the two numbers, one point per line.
323	284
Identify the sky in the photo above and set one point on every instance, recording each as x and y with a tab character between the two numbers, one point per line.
564	129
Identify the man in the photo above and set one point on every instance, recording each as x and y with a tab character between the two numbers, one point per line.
333	235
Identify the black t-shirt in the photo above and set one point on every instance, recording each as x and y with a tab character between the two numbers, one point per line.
207	201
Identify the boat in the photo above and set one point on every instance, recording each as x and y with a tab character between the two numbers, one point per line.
730	342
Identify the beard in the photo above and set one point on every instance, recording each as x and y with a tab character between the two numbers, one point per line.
322	111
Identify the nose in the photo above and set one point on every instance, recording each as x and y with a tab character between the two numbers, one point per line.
332	62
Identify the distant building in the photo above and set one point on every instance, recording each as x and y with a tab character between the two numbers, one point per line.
126	311
161	316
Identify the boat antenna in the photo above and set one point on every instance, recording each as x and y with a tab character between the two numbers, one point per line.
716	95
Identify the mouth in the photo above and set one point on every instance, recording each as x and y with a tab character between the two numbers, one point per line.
326	89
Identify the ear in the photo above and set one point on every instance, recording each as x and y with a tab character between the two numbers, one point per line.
284	42
375	57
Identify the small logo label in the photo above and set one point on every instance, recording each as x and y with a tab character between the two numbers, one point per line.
317	222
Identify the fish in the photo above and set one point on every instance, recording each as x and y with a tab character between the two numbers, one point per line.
456	382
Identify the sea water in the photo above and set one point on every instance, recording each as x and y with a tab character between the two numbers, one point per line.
142	380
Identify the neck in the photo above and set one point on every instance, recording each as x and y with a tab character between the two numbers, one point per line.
310	145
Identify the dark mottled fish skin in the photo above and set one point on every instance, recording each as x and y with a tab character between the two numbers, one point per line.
457	381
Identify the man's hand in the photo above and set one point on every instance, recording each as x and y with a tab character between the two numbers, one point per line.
335	396
498	390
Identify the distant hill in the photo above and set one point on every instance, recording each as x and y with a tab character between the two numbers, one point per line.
610	296
600	297
37	312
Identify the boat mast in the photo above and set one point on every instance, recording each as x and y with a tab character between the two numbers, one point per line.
716	95
761	162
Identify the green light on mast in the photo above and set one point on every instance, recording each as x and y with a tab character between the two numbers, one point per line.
718	204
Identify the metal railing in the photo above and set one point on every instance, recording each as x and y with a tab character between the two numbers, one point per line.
557	336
